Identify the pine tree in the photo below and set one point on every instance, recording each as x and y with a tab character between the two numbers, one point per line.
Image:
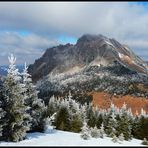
140	127
51	127
52	106
90	115
16	116
114	138
102	132
112	125
121	137
63	119
95	132
37	109
2	113
99	120
85	132
124	123
76	123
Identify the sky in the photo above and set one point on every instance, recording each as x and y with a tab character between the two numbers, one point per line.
27	29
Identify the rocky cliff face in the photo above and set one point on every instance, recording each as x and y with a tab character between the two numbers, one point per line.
90	50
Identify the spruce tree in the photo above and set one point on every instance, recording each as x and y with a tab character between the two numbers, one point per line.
102	131
63	119
2	113
95	132
115	139
112	125
124	123
16	116
121	137
76	123
140	127
37	109
85	132
52	106
90	115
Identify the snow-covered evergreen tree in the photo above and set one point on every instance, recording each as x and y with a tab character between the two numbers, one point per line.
52	106
85	133
37	109
50	123
124	123
76	122
140	127
95	132
16	116
112	125
115	139
63	118
90	115
121	137
2	112
102	131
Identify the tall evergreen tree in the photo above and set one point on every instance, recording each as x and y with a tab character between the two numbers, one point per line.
16	125
37	109
2	113
85	132
90	115
140	127
124	123
63	119
112	125
52	106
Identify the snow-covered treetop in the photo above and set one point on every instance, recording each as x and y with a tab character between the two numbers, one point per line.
26	75
12	59
12	70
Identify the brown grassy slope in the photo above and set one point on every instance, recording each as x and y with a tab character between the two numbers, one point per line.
102	100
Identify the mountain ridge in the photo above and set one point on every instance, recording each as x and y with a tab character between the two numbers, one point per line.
89	50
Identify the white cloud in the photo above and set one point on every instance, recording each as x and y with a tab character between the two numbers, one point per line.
123	21
27	48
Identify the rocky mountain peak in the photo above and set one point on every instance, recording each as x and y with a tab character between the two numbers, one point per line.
90	50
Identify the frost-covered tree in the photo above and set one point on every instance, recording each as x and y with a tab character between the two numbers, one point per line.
115	139
63	119
140	127
124	125
2	113
50	123
99	119
102	131
112	125
90	115
76	122
37	109
52	106
121	137
16	116
95	132
85	132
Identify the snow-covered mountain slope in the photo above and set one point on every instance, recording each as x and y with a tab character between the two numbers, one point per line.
89	50
62	138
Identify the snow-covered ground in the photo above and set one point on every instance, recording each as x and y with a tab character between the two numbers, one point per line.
61	138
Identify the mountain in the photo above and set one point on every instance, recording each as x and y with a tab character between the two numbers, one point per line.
89	50
94	64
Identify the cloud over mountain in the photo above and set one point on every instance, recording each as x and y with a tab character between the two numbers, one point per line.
46	21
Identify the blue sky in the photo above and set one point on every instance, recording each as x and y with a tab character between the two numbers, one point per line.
27	29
